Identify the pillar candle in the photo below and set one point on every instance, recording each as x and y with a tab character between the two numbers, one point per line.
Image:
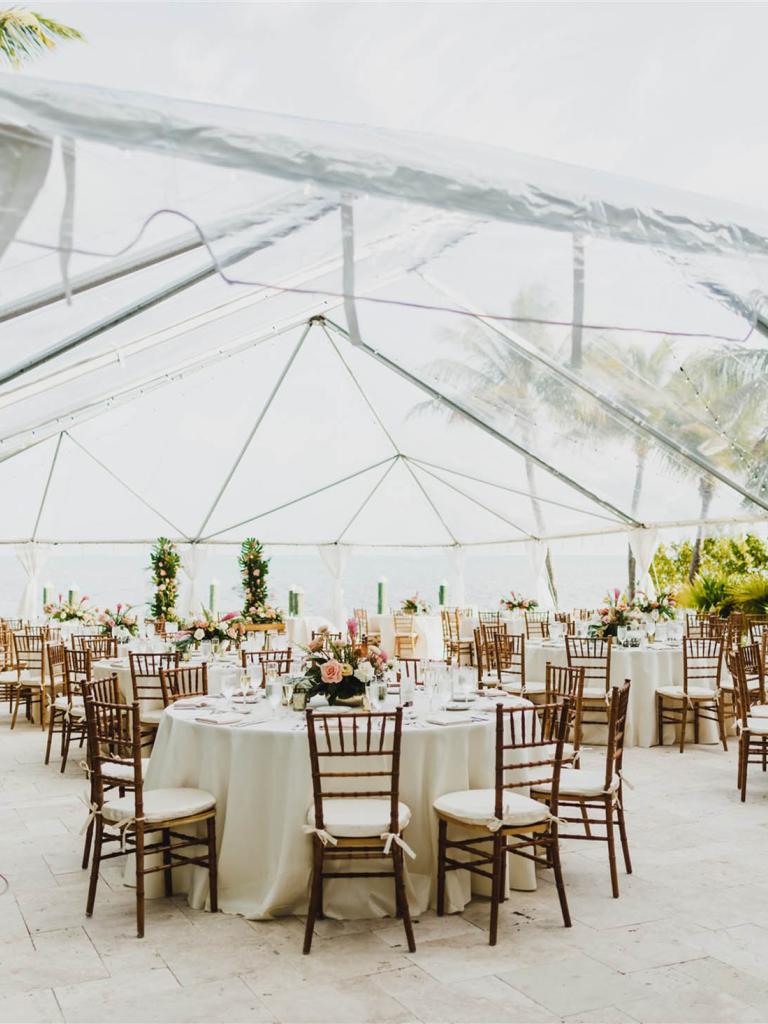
73	593
299	596
47	589
292	595
213	596
381	596
442	591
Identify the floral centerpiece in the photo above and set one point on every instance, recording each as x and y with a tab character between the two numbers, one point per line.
165	560
120	618
663	606
517	603
415	605
71	611
617	611
210	627
254	569
340	671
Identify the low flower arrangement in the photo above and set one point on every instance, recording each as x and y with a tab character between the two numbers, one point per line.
120	618
210	627
340	671
71	611
617	611
663	606
415	605
517	603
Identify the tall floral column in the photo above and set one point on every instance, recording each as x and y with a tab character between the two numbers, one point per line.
165	560
254	569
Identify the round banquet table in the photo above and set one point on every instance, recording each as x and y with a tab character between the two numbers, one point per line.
122	669
428	630
647	668
260	776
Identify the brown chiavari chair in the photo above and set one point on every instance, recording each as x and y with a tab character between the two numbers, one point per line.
593	654
735	628
147	689
185	681
114	738
8	666
489	618
597	796
509	658
700	693
43	631
30	682
486	674
562	683
410	667
752	722
280	659
455	646
758	627
569	625
705	627
77	672
755	674
489	633
445	626
349	820
100	645
537	625
365	635
529	751
55	702
405	635
14	624
327	637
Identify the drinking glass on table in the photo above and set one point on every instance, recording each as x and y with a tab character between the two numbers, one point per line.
245	684
228	689
288	685
430	684
272	686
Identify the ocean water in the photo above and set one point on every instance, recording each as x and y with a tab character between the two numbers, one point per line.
583	575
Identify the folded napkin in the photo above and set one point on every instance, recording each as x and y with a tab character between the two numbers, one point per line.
450	718
118	662
220	719
188	703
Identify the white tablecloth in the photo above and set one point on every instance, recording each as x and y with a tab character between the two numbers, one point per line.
260	776
647	669
122	669
428	629
301	627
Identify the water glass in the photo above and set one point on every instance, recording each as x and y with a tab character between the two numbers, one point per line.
272	686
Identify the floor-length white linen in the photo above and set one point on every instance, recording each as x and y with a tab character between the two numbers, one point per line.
647	668
428	630
299	629
260	776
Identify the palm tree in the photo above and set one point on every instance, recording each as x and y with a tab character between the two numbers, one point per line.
26	34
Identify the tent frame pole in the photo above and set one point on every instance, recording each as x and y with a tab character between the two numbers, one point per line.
46	488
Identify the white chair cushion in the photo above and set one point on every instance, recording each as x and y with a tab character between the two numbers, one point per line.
758	726
594	693
515	688
535	686
759	711
30	679
574	782
695	692
476	807
151	716
61	703
123	772
357	818
160	805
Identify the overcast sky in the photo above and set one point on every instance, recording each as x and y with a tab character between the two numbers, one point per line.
673	93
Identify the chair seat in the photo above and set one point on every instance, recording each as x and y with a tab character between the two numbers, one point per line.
576	783
476	807
727	684
29	679
160	805
61	704
694	692
358	818
594	693
758	726
759	711
123	772
151	716
535	686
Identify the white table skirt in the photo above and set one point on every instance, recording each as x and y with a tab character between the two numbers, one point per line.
216	673
646	668
299	628
429	633
261	779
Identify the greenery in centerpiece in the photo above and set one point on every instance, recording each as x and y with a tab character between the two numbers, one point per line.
415	605
341	670
71	611
165	560
254	568
209	626
515	602
662	606
616	611
120	618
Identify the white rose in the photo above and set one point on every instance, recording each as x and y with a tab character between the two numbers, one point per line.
364	672
199	634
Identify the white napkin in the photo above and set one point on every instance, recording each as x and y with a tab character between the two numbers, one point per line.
188	703
450	718
220	719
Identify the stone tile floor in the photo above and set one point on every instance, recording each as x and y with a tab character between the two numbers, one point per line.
687	941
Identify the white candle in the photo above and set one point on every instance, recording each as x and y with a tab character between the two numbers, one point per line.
74	593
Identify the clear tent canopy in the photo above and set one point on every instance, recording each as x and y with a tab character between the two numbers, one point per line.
217	323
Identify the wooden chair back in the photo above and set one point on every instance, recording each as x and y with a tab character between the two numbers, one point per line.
372	742
537	625
105	689
509	658
99	644
30	650
114	738
403	624
741	696
529	750
758	626
702	662
53	660
77	671
280	659
145	677
562	683
617	727
326	636
593	654
489	618
184	681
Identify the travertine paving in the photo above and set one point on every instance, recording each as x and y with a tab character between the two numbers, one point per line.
687	941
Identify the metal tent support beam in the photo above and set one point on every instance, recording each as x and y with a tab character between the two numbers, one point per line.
368	497
46	488
484	426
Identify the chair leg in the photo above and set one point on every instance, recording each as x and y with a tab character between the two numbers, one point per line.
401	897
623	835
611	837
95	866
559	882
66	739
683	725
696	723
316	893
87	845
16	708
721	723
442	830
51	724
498	852
139	879
660	719
213	869
167	869
744	767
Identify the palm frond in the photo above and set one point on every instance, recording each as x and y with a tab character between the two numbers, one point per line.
26	34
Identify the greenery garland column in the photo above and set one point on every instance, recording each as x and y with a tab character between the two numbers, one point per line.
254	568
165	561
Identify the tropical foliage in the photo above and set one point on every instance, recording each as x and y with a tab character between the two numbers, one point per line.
27	34
720	556
165	561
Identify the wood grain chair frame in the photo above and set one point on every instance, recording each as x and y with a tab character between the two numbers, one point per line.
184	681
281	659
147	689
365	739
561	684
593	654
700	696
30	679
751	722
536	625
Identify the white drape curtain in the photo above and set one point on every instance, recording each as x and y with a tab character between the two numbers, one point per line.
644	542
193	559
457	589
336	558
536	555
33	558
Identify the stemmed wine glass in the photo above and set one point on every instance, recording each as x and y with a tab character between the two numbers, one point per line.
273	690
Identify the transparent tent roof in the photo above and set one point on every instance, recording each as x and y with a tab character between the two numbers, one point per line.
218	322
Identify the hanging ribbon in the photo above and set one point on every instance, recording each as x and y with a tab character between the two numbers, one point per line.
324	837
393	837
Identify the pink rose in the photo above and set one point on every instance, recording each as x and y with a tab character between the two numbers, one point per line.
228	616
331	671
